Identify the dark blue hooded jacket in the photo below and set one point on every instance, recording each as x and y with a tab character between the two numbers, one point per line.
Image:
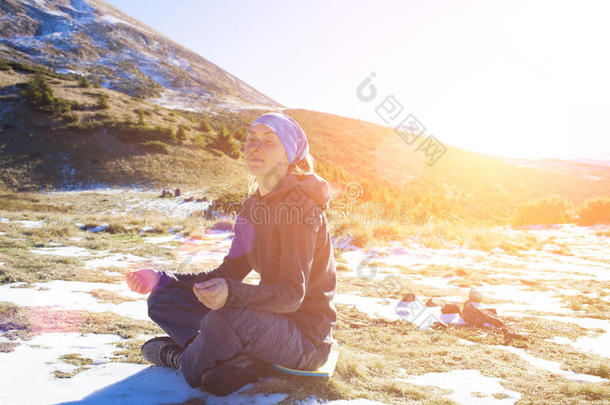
285	237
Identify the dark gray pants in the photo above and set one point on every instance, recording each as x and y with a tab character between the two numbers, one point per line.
221	334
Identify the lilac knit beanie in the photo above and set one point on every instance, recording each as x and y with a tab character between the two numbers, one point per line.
289	132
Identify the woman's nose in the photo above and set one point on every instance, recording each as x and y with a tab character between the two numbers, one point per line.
253	145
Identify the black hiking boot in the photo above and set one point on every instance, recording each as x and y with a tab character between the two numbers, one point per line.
162	351
233	374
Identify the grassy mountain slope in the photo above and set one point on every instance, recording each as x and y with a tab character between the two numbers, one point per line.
129	141
91	37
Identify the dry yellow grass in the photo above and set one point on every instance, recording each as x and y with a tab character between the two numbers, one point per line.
112	297
372	350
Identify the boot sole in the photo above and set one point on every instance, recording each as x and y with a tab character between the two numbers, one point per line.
232	375
155	345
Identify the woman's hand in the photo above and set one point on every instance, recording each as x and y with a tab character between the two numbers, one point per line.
212	293
143	281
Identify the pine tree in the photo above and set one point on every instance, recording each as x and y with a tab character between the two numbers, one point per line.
38	92
102	102
181	134
140	117
84	82
204	126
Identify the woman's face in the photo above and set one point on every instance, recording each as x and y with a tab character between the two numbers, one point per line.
264	151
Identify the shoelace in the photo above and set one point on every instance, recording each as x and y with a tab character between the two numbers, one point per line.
173	356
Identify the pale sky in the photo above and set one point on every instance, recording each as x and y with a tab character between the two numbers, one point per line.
514	78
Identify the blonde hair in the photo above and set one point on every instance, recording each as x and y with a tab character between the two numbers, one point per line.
303	166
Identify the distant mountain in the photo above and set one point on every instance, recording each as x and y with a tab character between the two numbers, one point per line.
58	131
91	37
598	162
579	167
109	138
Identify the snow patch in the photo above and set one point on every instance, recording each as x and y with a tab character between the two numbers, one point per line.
38	358
67	251
118	260
315	401
392	309
164	239
30	224
74	295
67	71
551	366
526	299
468	386
597	344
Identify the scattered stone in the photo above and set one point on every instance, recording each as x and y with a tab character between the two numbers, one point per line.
460	272
453	319
408	297
477	317
98	228
174	229
514	335
450	309
475	295
166	193
148	229
114	228
434	302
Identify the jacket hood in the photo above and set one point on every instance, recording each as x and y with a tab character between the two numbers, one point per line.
294	188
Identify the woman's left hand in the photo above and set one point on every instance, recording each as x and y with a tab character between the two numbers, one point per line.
212	293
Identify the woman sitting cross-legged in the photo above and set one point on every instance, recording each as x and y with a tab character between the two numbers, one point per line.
224	333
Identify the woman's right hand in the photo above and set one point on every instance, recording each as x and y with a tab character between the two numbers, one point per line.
143	281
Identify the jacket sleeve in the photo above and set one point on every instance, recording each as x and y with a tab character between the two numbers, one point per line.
296	250
231	268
